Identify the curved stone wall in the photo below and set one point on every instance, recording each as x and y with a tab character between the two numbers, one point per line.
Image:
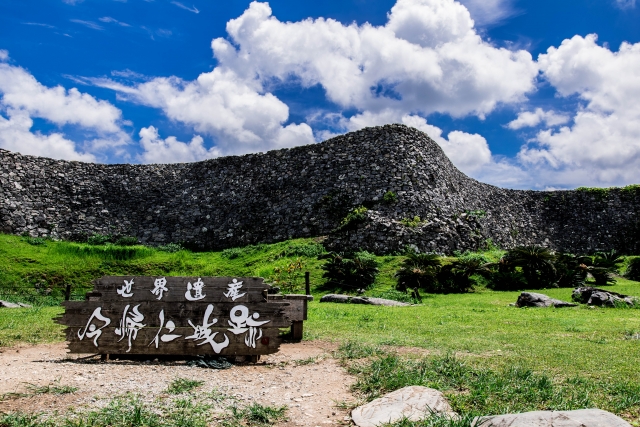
308	191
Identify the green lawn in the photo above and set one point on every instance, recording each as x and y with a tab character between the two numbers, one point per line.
599	345
591	342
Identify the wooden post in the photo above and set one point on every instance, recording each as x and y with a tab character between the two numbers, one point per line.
67	293
296	330
307	283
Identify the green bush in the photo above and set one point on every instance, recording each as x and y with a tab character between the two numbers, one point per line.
170	247
412	222
537	264
309	250
390	197
358	271
356	216
419	270
571	270
98	239
127	241
633	269
507	281
457	276
35	241
603	266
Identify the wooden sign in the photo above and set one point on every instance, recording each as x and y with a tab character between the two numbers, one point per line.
229	316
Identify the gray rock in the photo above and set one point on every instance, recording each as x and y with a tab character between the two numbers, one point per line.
7	304
601	297
531	299
413	402
578	418
361	300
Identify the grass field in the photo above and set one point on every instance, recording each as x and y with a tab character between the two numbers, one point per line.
581	349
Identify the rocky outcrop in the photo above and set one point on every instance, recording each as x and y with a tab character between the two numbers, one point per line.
308	191
413	403
361	300
601	297
7	304
531	299
577	418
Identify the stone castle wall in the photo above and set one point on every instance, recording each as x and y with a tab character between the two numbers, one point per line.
307	191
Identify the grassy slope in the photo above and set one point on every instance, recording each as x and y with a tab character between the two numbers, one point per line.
588	342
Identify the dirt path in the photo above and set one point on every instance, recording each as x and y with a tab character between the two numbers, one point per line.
302	376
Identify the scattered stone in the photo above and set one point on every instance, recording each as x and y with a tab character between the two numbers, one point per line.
361	300
413	402
601	297
578	418
531	299
7	304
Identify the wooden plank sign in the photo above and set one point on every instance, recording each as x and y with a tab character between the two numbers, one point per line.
229	316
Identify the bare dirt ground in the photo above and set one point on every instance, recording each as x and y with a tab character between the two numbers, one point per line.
303	376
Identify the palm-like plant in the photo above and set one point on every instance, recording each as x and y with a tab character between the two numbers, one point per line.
603	266
456	277
633	269
571	270
537	264
419	271
357	272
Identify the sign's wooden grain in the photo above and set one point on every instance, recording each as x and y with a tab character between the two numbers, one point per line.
181	316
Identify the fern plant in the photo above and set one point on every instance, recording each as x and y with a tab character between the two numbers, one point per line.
419	271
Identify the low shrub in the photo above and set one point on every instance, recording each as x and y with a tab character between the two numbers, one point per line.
633	269
35	241
170	247
356	216
127	241
571	270
357	271
457	276
290	278
309	250
390	197
412	222
99	239
507	281
419	270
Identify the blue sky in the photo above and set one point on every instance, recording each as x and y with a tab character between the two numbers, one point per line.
518	94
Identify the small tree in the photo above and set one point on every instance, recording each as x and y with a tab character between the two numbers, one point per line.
633	269
571	270
419	271
603	266
537	265
456	277
358	271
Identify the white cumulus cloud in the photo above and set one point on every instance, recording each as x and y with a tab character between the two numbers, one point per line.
20	90
16	135
427	58
534	118
22	98
219	103
170	150
602	147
